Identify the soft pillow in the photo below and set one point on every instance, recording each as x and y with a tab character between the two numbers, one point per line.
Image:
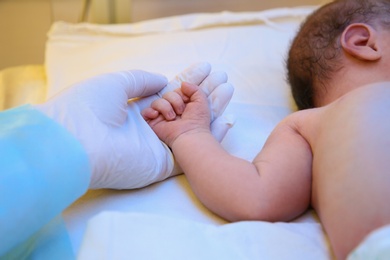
250	47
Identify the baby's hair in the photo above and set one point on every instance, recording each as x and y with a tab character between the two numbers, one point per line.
314	54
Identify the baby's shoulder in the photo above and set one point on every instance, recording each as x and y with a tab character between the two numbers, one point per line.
302	122
301	118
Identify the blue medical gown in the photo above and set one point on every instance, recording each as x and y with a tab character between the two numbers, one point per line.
43	169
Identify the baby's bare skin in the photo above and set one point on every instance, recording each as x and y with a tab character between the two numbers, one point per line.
333	158
350	141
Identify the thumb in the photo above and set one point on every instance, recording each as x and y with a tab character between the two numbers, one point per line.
189	89
140	83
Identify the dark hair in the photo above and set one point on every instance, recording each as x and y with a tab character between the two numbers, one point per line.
314	54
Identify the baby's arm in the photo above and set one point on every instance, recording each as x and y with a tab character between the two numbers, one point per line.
276	186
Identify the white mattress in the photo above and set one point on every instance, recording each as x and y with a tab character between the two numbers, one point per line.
166	220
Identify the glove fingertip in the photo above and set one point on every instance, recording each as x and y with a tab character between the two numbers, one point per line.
194	74
220	98
212	82
204	66
221	126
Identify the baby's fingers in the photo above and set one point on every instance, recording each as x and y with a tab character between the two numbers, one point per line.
176	99
164	108
189	89
149	114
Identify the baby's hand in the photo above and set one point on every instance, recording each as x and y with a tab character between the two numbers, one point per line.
179	112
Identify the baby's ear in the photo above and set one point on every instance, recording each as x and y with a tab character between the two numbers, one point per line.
360	41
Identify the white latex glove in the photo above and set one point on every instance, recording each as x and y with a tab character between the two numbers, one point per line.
123	150
95	112
216	87
214	84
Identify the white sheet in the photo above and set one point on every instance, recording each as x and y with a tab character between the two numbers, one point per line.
175	238
251	48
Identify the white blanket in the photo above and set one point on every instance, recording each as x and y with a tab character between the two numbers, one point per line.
145	236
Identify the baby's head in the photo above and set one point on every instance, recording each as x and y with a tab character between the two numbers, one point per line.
318	51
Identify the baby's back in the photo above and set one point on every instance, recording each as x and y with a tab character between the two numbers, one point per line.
350	142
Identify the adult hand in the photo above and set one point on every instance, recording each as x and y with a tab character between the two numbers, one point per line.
214	84
96	112
124	152
218	92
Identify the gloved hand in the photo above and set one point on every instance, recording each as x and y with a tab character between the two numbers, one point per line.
124	152
216	87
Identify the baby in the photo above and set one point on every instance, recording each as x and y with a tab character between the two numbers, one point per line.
333	157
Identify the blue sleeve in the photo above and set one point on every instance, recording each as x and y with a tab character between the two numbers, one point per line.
43	169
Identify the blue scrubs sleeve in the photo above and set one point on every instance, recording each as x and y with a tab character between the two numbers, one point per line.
43	169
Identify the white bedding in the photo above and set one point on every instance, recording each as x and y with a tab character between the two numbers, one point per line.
165	220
